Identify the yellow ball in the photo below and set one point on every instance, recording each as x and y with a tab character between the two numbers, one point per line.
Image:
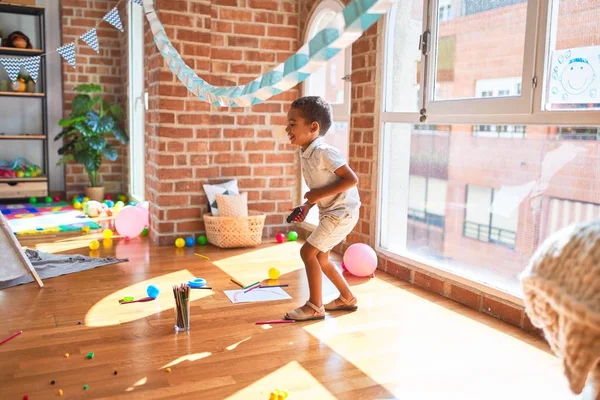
86	229
86	199
180	243
168	370
274	273
66	355
77	205
108	234
94	245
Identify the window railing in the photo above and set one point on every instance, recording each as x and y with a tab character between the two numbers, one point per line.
428	218
494	235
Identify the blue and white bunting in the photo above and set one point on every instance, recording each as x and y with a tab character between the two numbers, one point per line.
113	18
32	66
12	67
67	52
138	2
91	39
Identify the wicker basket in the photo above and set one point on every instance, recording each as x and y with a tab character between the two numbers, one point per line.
230	232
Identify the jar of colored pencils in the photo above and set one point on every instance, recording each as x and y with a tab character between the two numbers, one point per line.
182	307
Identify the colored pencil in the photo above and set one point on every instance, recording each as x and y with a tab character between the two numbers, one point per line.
201	287
277	321
268	286
237	282
11	337
249	286
145	299
201	256
182	298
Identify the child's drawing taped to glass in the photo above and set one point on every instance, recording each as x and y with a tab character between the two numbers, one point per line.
574	76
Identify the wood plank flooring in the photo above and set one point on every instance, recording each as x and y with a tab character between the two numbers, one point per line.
403	342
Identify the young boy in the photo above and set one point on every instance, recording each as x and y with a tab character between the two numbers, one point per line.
333	189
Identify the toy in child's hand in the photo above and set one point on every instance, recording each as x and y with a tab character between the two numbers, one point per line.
297	211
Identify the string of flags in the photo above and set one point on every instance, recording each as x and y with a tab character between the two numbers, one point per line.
31	65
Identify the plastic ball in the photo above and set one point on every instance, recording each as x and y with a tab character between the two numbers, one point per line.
94	245
145	232
292	236
56	199
20	174
122	197
110	203
360	260
180	243
32	200
120	204
189	241
280	238
274	273
202	240
77	205
108	197
168	370
27	174
48	199
80	199
152	291
132	203
86	229
108	234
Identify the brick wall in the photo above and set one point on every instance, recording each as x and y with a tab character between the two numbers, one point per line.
104	69
191	143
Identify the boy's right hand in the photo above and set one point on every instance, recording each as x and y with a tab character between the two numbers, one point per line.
305	208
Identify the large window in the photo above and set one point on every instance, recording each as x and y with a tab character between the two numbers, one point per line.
480	161
332	83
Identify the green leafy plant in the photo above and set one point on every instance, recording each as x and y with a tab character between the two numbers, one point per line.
86	131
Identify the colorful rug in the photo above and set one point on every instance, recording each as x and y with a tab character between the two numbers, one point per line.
30	219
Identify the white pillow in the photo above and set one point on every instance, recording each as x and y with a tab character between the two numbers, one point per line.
212	191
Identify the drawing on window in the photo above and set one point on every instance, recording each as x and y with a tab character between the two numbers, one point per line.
574	78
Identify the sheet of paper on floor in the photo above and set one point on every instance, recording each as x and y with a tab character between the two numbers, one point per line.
257	295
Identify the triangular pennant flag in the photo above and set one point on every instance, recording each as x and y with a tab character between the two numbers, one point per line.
32	66
67	51
91	39
138	2
12	67
113	18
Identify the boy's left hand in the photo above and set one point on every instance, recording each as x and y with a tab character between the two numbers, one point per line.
313	196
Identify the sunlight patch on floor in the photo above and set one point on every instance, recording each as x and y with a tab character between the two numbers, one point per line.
188	357
108	311
292	377
235	345
141	382
254	265
416	348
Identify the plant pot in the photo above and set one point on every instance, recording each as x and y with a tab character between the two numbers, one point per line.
95	193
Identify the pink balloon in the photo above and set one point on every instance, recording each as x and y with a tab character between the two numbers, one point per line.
360	260
130	222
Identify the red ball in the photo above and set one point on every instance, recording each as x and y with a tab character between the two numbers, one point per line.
108	197
56	199
25	397
280	238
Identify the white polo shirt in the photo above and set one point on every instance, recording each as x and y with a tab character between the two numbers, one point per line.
319	162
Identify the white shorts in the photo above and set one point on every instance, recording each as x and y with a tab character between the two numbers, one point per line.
332	230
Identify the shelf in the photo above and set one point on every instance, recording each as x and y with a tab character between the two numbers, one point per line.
11	51
21	9
17	94
22	137
17	180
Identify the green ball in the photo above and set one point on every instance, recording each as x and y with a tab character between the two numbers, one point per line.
202	240
145	232
292	236
48	199
32	200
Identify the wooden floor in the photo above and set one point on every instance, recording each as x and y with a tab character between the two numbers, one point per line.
402	343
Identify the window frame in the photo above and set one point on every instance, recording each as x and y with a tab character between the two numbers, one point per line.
341	112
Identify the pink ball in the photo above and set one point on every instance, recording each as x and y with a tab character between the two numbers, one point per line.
130	222
360	260
280	238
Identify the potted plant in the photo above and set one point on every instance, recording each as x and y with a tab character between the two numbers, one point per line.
86	131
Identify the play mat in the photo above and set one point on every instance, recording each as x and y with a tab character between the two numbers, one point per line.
30	219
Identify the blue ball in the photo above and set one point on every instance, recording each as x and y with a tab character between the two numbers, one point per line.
110	203
153	291
80	199
132	203
189	241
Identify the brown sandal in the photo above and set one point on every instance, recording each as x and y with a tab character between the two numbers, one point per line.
348	305
299	315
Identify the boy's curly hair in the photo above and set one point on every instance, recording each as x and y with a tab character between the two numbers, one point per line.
315	109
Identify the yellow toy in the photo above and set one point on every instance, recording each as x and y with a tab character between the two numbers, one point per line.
278	394
77	205
86	229
180	243
108	234
94	245
274	273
